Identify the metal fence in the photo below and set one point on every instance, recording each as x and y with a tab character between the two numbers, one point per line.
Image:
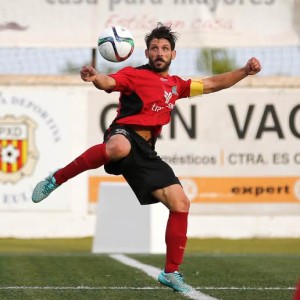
276	61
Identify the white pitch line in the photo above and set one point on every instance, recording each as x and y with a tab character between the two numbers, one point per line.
154	272
244	288
75	288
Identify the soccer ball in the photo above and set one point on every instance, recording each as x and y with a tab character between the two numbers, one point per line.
115	44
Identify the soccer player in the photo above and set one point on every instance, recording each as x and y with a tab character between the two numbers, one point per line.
147	96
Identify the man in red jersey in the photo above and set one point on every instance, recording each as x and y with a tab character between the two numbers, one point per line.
147	96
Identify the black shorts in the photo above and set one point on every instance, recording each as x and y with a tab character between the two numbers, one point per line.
143	169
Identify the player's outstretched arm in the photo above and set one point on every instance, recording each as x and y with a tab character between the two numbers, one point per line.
228	79
100	81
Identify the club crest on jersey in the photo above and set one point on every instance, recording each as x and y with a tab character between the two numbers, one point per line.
18	153
174	90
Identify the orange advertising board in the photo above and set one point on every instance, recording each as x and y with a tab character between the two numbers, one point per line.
225	189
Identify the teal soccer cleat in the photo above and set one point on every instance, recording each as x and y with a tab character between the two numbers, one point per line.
44	188
174	281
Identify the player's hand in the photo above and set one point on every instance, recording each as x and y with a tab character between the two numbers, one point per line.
88	73
253	66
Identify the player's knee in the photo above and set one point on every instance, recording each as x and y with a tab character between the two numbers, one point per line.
179	202
181	205
117	147
173	197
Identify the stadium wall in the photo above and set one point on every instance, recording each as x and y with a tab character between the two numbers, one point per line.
236	154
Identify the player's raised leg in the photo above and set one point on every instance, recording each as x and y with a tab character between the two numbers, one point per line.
116	147
93	158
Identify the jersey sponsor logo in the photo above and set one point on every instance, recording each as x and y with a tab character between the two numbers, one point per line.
156	107
18	154
167	96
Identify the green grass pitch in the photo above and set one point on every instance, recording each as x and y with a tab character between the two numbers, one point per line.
225	269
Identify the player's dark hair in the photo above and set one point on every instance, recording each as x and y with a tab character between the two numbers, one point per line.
162	32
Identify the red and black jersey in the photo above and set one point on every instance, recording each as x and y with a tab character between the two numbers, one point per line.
147	98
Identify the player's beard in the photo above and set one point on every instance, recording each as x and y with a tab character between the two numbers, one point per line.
159	64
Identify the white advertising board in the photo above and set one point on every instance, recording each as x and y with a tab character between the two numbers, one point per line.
77	23
36	131
234	146
239	147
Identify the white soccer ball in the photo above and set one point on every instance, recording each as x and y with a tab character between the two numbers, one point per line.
115	43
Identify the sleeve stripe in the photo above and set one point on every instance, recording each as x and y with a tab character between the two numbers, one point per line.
196	88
